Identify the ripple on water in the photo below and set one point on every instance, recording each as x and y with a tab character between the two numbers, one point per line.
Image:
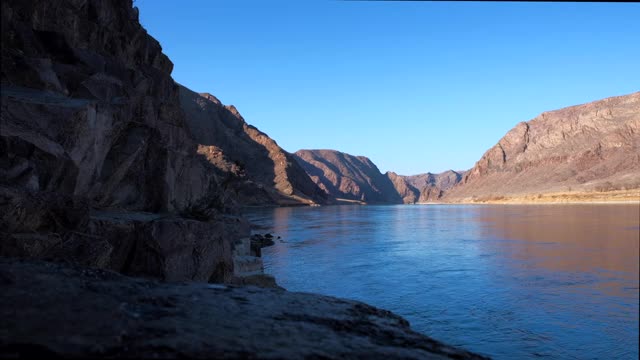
506	281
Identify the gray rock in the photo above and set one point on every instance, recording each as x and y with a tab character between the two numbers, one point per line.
81	312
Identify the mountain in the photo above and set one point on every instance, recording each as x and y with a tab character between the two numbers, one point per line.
426	187
252	165
349	178
345	177
98	165
589	148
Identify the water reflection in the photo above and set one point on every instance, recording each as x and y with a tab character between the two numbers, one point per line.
576	238
507	281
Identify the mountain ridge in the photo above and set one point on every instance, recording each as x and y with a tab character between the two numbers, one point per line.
591	147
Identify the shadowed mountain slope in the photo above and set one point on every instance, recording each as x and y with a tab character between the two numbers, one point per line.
347	177
423	188
357	178
254	167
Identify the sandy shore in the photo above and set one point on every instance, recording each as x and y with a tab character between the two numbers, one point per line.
608	197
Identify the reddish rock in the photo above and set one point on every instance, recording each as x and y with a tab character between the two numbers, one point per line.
589	147
253	166
424	187
344	176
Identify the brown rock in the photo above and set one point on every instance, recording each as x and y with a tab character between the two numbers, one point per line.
91	125
424	187
348	177
256	169
589	147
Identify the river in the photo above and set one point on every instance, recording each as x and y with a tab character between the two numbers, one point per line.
508	281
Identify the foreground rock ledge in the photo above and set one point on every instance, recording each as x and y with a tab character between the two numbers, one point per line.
56	309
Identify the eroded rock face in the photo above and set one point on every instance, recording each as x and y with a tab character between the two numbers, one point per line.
589	147
348	177
254	167
89	109
80	312
424	187
97	165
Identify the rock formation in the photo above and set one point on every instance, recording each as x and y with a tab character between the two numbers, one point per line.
583	148
426	187
97	163
347	177
80	312
252	165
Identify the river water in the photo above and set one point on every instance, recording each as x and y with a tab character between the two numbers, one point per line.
508	281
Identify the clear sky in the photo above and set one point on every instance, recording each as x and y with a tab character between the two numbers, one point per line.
415	86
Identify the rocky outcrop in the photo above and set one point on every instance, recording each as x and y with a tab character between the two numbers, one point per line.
163	246
97	163
81	312
426	187
347	177
583	148
252	165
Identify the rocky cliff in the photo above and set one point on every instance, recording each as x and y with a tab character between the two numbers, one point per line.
594	147
347	177
426	187
252	165
97	163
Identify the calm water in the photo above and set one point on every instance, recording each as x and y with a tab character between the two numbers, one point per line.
509	281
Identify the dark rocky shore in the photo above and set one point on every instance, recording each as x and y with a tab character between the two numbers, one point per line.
51	309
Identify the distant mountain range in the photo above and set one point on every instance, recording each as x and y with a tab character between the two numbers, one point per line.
586	148
350	178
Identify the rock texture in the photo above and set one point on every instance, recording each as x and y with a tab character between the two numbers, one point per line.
80	312
347	177
252	165
423	188
589	147
97	163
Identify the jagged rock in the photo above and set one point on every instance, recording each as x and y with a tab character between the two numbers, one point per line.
255	168
80	312
92	121
347	177
170	247
89	109
589	147
260	241
424	187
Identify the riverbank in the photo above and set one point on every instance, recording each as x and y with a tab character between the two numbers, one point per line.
86	312
593	197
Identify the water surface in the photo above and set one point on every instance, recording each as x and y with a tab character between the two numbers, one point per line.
508	281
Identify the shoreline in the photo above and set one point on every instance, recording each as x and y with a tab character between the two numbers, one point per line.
587	197
615	197
148	318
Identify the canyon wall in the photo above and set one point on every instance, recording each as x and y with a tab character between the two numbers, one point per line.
594	147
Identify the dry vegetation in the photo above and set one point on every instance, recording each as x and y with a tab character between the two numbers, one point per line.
630	195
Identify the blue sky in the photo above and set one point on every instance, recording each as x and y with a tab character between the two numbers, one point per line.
415	86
